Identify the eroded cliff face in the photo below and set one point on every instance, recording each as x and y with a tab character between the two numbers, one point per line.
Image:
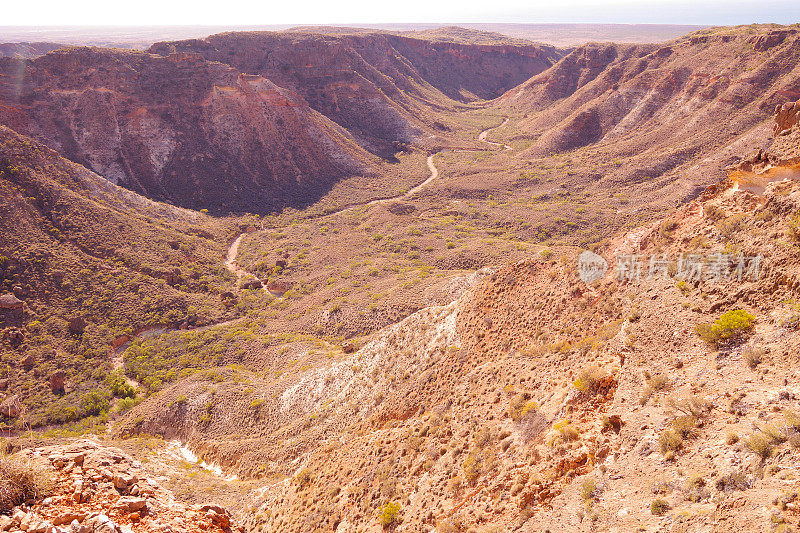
691	106
178	128
375	85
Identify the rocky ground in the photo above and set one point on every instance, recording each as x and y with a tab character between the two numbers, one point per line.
101	489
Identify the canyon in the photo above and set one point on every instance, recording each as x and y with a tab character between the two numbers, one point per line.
316	280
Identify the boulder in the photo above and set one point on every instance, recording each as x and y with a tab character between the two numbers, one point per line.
28	361
77	325
251	284
9	301
57	383
123	482
101	524
67	518
11	407
349	347
218	515
14	335
279	287
130	505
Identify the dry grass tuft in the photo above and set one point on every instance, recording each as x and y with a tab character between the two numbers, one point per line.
22	480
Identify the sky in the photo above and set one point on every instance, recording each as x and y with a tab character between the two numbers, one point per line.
269	12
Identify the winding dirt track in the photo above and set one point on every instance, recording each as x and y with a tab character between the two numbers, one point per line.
118	347
233	250
121	343
484	133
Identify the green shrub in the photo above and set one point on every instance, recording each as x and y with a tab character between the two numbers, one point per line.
760	444
684	425
588	489
118	386
126	404
732	325
95	403
659	507
793	224
472	468
670	441
520	407
255	404
390	514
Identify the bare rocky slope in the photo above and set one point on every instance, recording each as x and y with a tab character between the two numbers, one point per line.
197	133
676	114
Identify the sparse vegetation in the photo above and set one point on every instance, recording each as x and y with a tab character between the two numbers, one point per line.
589	379
753	356
670	441
520	407
588	489
760	444
653	384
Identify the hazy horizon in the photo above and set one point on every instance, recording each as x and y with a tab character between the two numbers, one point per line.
359	12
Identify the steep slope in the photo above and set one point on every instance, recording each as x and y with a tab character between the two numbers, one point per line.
538	401
82	263
691	105
178	128
379	86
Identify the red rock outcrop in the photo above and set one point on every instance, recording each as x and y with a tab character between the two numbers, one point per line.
786	117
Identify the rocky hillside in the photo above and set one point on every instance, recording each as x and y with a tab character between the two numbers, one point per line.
378	86
683	110
648	384
84	262
656	396
181	129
